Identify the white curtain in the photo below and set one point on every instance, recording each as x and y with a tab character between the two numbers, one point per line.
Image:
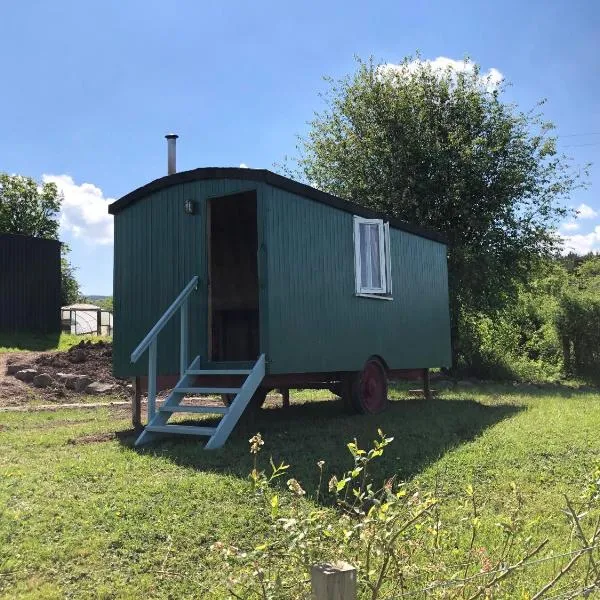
370	265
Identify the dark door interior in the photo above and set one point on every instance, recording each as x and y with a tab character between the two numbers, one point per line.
233	303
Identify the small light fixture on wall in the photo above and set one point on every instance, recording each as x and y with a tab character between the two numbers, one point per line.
189	207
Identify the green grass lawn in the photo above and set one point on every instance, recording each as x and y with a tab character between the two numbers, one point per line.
19	342
83	518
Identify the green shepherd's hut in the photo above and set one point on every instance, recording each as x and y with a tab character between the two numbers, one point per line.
273	284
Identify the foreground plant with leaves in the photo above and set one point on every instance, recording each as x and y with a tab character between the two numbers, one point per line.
397	538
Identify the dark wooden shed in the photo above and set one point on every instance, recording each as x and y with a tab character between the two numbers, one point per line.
29	284
283	286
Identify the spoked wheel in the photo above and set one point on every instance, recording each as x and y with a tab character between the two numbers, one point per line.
369	388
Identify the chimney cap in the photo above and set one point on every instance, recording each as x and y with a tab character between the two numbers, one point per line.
171	136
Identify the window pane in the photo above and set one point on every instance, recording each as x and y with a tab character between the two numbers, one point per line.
364	256
374	247
370	249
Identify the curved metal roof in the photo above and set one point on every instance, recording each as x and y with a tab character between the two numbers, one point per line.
273	179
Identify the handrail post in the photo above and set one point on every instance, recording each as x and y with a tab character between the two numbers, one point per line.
183	339
152	380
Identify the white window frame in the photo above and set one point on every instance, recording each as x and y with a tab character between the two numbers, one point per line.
385	291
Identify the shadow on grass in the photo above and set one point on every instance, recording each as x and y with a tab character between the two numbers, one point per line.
29	341
319	430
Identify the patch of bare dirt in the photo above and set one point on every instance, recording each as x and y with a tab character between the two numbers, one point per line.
117	406
12	391
95	438
61	377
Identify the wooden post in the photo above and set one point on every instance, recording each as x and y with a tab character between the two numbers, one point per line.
99	322
183	340
335	581
136	404
426	386
285	395
151	395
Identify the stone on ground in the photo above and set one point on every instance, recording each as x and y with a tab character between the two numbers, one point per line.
77	355
15	368
81	383
42	380
98	388
26	375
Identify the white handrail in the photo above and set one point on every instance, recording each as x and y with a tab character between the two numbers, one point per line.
145	343
151	341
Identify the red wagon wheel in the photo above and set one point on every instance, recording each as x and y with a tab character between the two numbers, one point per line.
369	390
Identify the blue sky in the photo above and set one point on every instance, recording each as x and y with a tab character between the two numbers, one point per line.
90	88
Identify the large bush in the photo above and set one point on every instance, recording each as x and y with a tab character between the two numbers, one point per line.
521	341
578	323
550	330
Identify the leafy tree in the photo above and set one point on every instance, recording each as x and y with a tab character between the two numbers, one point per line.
587	274
106	303
571	261
29	208
69	286
444	150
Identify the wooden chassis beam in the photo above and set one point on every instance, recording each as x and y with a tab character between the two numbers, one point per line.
281	380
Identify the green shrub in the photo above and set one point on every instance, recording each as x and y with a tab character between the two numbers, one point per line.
519	344
522	341
578	324
397	537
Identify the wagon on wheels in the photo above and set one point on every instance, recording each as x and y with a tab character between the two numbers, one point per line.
235	281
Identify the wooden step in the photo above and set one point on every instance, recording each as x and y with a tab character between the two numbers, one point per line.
206	390
215	410
226	364
218	372
184	429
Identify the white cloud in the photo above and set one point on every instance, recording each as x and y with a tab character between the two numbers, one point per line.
586	212
491	78
582	243
84	210
243	166
570	226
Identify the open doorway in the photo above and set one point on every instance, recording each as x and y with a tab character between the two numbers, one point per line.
233	278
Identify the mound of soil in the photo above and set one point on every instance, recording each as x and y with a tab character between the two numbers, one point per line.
87	359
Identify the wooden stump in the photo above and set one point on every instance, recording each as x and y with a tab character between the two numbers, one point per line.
333	581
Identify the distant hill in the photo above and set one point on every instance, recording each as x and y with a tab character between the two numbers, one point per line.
95	298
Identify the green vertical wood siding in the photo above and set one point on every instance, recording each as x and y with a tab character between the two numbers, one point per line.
310	318
316	323
158	248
